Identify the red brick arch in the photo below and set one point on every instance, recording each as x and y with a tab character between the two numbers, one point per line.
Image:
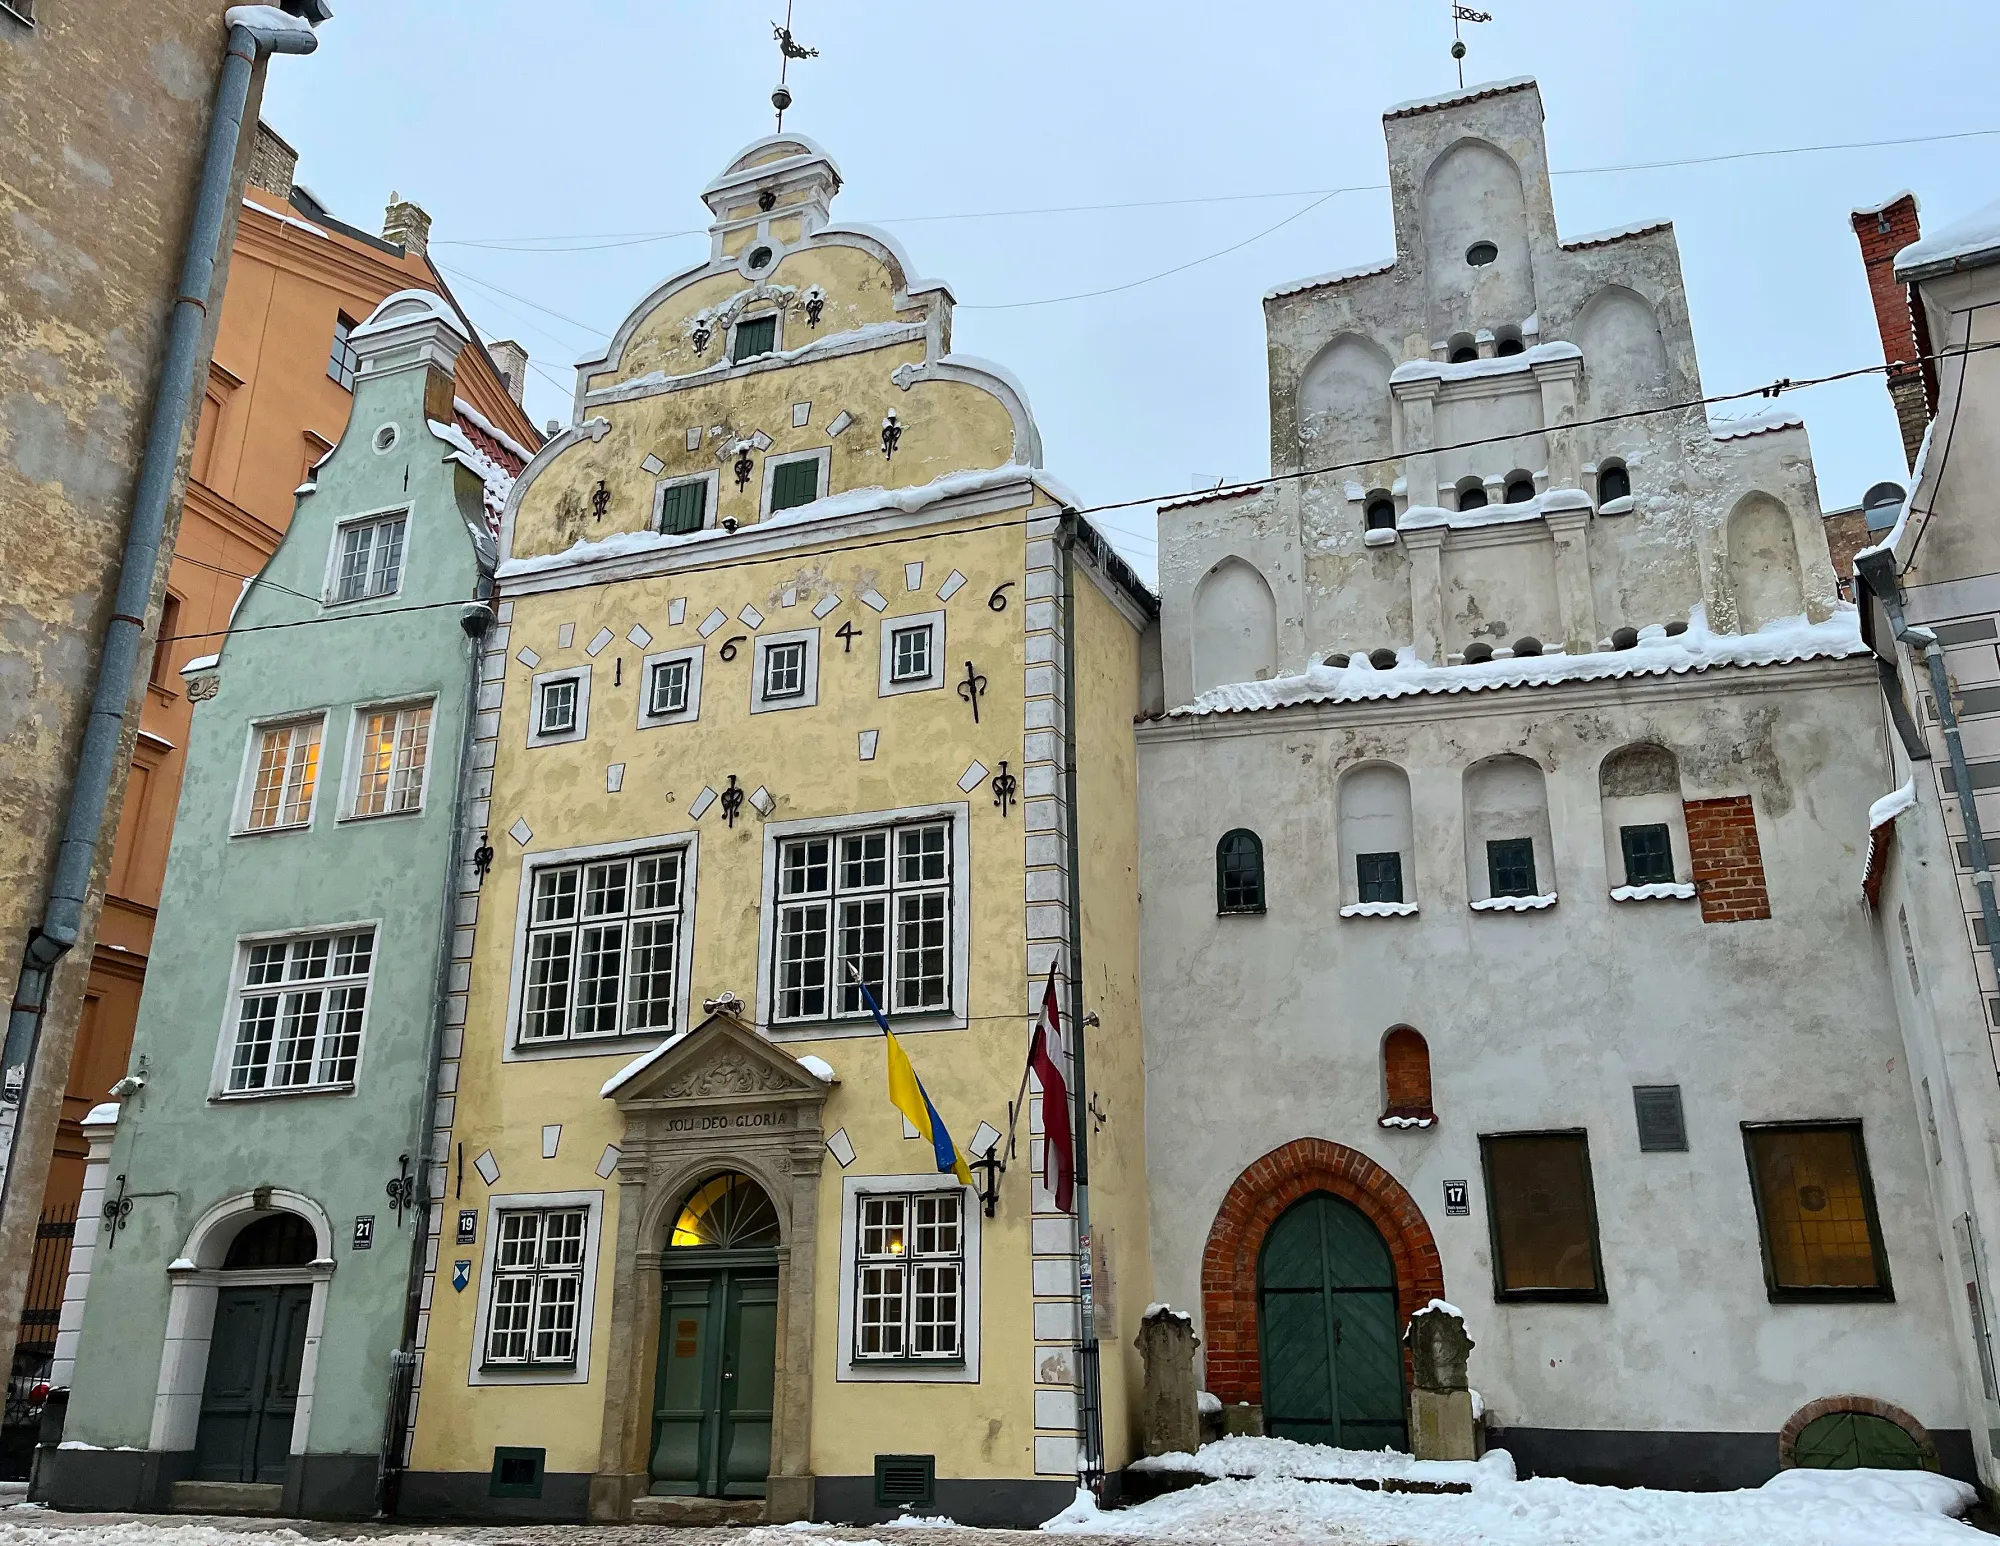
1252	1206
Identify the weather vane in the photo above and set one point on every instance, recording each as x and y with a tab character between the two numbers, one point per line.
789	48
1459	13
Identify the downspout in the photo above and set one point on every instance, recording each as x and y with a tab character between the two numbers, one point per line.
254	31
1090	1467
474	619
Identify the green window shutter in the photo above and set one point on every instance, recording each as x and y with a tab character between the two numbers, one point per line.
684	507
795	483
757	336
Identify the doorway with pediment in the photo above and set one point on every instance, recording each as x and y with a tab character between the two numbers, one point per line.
718	1220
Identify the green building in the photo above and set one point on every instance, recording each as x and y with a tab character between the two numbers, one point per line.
247	1321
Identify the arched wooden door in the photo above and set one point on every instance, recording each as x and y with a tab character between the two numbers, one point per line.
250	1395
1331	1352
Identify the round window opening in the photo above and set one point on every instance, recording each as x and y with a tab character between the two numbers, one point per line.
386	438
1479	254
760	258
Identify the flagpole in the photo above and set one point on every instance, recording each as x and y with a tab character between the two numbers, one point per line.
1090	1460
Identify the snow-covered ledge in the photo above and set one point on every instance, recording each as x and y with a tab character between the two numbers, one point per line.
1513	904
1657	891
1379	910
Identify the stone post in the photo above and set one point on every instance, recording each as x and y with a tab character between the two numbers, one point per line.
1169	1418
1425	545
1440	1402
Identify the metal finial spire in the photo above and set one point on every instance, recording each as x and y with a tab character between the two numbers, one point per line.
1461	13
789	49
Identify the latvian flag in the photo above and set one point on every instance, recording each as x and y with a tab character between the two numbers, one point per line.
1045	1056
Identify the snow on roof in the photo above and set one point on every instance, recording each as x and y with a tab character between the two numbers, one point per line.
1895	533
1892	805
267	19
819	1068
1427	517
738	171
1615	233
1756	424
1338	276
1972	242
409	306
103	1114
1881	821
1499	365
639	1064
1210	496
1895	198
887	331
474	419
1464	94
291	220
487	459
1656	654
200	664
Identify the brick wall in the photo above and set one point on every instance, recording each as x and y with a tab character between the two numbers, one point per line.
1728	863
1883	233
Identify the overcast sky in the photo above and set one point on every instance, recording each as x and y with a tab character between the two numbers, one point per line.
593	122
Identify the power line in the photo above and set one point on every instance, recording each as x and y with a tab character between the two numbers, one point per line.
793	555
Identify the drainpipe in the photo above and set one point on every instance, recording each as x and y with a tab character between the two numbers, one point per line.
254	31
475	618
1089	1388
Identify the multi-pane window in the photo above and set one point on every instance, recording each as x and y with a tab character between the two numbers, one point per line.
603	948
286	774
909	1277
1543	1216
668	692
1379	877
299	1012
1239	872
877	899
684	506
785	670
537	1286
555	710
369	559
1816	1208
1649	854
754	336
1510	866
795	483
910	654
342	362
395	747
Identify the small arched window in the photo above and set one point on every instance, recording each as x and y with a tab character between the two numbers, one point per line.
1462	349
1406	1079
1381	513
1510	345
1613	482
1239	872
1520	489
1472	497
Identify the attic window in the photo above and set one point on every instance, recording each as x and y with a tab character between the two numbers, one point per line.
754	336
760	258
1479	254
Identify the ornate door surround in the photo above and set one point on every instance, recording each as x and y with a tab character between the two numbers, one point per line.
719	1098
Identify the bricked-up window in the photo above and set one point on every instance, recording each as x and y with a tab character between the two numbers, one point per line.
1816	1211
909	1277
1542	1215
1239	872
1727	860
299	1010
537	1286
342	362
603	948
1406	1078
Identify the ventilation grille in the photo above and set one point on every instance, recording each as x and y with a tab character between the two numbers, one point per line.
1662	1128
517	1472
905	1481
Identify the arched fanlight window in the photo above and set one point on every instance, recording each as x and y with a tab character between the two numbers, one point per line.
1472	497
728	1212
1613	482
1239	872
1406	1079
1520	489
1381	513
275	1240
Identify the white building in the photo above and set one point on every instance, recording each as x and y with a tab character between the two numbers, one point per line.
1501	856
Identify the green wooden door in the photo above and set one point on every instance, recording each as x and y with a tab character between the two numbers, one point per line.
1841	1440
251	1392
713	1391
1327	1322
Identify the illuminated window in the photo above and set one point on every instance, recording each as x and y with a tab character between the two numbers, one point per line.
1816	1209
284	776
729	1212
909	1278
391	761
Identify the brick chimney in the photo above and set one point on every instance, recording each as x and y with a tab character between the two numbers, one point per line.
272	162
407	223
1883	232
512	361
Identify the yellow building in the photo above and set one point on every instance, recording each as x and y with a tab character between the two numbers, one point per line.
780	688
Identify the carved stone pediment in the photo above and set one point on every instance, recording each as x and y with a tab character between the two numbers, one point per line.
722	1060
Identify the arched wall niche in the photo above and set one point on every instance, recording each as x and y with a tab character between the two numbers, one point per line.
1506	802
1763	568
1639	792
1378	853
1235	626
1473	193
1344	403
1624	354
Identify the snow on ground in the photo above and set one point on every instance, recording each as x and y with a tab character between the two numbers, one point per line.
1244	1455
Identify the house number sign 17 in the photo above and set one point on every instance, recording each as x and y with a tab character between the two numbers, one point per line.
1456	1203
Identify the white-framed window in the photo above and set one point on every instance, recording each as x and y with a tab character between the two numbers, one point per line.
298	1011
793	478
390	760
368	558
539	1289
755	336
670	688
878	898
909	1253
785	672
282	777
603	947
912	653
559	706
682	505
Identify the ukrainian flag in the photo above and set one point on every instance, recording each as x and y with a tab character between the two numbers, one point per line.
906	1092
